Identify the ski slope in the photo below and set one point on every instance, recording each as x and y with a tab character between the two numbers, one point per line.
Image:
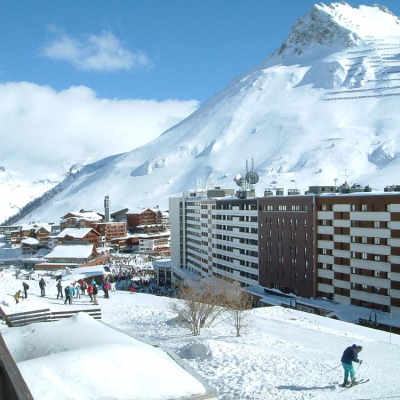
286	355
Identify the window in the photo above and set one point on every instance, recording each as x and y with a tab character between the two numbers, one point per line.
377	240
353	254
324	222
364	240
377	258
377	274
353	207
353	239
324	207
364	256
377	224
363	207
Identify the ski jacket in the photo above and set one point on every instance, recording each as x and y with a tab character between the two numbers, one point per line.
42	283
90	289
350	355
95	290
67	292
72	291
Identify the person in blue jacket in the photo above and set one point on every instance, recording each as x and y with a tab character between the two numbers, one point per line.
349	356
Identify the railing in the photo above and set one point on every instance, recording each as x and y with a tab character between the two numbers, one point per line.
29	317
12	384
45	315
58	315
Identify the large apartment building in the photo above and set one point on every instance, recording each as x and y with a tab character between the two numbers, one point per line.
235	241
286	244
359	249
337	243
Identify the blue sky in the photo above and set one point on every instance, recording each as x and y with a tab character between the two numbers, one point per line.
82	79
175	49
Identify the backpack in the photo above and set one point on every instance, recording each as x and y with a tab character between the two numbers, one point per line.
26	286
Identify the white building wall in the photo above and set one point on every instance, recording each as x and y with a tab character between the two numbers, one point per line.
176	242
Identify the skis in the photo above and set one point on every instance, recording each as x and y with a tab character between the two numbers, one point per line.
360	382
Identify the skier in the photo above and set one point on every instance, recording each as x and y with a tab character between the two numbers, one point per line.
26	287
90	291
16	296
95	292
59	289
112	282
349	356
42	285
78	290
67	295
106	289
71	291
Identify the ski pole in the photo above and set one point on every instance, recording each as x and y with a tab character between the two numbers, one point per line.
333	368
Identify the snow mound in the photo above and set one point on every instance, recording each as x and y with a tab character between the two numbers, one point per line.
75	356
195	351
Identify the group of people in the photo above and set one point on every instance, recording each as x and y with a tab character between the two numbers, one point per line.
76	289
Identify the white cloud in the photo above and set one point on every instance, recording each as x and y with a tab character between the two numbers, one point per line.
91	52
43	132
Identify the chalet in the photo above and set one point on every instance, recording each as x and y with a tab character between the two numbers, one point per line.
81	219
147	217
68	257
29	245
79	236
112	230
42	233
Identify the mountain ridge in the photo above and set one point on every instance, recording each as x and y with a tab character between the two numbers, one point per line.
304	117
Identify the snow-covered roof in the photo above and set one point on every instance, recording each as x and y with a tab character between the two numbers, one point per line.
87	215
69	363
72	251
74	232
30	241
154	235
46	227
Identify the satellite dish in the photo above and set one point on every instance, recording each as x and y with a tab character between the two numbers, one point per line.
239	179
252	178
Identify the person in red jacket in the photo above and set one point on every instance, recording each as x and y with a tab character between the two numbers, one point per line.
106	289
90	291
132	288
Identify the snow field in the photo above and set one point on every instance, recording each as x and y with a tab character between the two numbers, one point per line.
286	355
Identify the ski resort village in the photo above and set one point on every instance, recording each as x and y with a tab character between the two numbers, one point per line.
248	249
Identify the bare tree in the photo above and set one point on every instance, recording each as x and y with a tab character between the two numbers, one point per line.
202	303
239	305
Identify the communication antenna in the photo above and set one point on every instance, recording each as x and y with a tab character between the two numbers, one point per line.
248	181
336	181
346	175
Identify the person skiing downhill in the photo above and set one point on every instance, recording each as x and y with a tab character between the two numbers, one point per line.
349	356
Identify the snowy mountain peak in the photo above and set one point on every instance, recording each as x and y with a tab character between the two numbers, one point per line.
326	102
338	26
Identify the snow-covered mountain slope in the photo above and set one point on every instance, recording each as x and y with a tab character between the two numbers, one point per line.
326	101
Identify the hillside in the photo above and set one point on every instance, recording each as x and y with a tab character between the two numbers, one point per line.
322	106
287	354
